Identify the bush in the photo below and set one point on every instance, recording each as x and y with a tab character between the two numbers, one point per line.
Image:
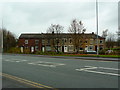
14	50
39	52
81	52
102	52
48	53
26	51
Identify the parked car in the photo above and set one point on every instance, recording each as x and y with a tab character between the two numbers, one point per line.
91	52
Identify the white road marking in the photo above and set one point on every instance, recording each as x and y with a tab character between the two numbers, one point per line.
104	68
91	68
102	72
48	64
104	61
15	60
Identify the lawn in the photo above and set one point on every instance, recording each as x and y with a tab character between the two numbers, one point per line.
88	55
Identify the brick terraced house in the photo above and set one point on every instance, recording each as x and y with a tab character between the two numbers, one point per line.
66	42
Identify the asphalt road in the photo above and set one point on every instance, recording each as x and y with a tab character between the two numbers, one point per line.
42	71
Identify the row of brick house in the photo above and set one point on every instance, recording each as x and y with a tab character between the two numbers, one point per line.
44	42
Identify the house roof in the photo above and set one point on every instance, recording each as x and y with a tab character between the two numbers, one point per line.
50	35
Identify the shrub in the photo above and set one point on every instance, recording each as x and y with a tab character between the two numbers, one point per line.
14	50
102	52
48	53
39	52
26	51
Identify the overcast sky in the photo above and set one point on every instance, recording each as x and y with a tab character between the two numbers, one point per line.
36	17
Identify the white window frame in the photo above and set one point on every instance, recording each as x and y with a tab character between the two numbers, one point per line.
26	41
101	41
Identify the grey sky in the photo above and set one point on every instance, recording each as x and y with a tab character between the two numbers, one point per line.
22	17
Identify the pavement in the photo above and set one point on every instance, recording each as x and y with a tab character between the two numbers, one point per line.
70	57
57	72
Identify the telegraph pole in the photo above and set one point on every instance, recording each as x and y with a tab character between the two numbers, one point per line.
2	37
97	26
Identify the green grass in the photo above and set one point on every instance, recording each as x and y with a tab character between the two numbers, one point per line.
113	56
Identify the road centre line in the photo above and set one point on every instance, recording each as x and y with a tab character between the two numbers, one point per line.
25	81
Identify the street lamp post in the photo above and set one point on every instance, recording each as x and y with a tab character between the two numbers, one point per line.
97	26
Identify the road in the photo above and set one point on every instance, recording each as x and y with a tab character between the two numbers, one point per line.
51	72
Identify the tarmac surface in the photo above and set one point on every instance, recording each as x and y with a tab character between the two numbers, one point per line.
59	72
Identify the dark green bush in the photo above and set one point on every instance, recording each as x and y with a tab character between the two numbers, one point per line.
102	52
14	50
26	51
48	53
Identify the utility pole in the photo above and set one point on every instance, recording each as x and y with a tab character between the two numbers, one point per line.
97	26
1	37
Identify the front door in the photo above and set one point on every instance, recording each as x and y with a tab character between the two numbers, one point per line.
43	49
62	48
95	48
65	49
32	49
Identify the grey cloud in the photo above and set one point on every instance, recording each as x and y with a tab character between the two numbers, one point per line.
37	17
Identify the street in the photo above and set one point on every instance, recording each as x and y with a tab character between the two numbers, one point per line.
50	72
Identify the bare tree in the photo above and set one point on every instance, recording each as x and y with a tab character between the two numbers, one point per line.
9	40
55	30
110	41
118	36
76	28
1	40
104	33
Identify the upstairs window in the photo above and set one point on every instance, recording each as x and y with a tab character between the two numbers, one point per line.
65	40
101	41
43	41
91	41
48	41
86	42
36	41
26	41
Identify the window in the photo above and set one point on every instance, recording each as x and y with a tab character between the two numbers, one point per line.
101	41
57	41
48	41
70	48
80	41
65	40
90	48
36	48
62	41
26	47
36	41
43	41
101	47
70	41
81	48
91	41
26	41
85	41
48	48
